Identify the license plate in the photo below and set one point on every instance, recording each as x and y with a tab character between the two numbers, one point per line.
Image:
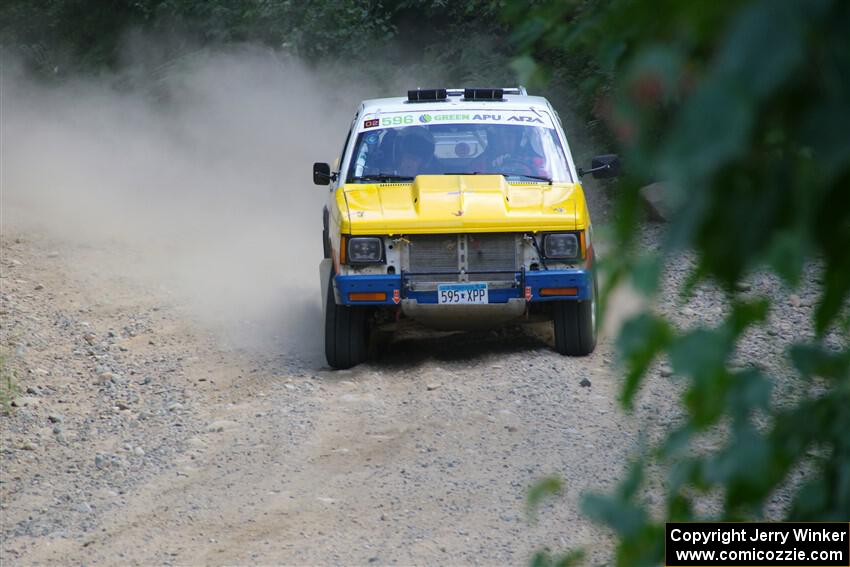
462	293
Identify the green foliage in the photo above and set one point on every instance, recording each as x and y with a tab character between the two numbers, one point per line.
547	559
81	34
542	489
64	36
639	341
8	386
741	110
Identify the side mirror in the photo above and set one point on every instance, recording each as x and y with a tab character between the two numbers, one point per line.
321	173
603	166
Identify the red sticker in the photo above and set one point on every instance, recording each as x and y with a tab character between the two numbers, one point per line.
396	296
371	123
528	293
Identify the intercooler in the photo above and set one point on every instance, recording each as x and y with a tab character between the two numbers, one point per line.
433	259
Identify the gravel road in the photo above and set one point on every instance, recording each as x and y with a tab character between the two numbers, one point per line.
138	437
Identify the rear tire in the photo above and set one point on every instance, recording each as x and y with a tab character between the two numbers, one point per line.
346	333
575	325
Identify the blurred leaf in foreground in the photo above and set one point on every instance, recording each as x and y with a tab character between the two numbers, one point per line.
741	110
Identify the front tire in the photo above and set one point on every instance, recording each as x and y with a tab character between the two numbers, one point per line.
575	325
346	333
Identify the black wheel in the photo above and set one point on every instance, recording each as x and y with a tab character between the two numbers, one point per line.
575	325
346	333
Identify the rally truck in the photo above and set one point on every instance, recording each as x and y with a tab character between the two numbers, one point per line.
457	209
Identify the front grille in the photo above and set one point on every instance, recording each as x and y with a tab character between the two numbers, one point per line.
492	252
434	254
440	258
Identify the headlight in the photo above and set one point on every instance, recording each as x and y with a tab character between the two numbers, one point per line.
561	246
365	250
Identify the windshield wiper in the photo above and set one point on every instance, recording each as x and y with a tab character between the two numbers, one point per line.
382	177
538	177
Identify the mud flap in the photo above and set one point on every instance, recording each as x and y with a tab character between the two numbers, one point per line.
325	269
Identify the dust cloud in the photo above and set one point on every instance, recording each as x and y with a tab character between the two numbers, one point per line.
193	175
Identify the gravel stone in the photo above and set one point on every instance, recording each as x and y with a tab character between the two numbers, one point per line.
24	401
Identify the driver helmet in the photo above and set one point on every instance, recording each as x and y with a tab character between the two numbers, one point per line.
416	140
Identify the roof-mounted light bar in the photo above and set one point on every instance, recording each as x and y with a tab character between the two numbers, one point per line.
439	95
483	94
426	95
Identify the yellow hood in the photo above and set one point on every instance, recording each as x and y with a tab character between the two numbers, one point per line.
460	203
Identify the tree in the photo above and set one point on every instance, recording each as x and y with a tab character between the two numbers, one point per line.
742	110
85	35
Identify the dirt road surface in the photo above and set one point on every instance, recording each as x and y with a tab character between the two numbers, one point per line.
140	438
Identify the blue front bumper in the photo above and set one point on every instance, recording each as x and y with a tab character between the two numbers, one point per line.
526	284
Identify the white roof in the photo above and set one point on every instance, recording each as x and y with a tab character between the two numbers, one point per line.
401	104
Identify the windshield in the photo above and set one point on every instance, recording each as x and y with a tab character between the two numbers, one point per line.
522	152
